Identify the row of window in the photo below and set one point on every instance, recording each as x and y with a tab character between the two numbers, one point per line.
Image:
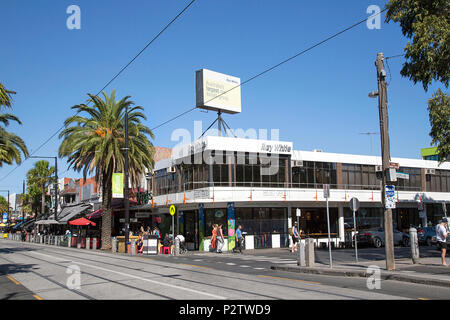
277	175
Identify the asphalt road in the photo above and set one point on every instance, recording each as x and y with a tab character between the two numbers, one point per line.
51	273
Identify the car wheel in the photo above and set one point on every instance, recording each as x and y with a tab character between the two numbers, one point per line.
377	243
429	242
405	242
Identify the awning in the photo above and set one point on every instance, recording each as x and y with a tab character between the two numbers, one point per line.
18	225
47	222
96	214
74	211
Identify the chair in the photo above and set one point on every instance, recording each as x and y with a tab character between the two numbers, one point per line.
165	250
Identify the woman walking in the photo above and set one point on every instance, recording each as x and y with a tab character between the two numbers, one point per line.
220	239
214	237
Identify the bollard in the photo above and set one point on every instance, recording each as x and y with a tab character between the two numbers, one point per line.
69	241
301	254
309	257
56	241
414	243
113	245
78	242
133	248
41	239
88	243
94	244
177	247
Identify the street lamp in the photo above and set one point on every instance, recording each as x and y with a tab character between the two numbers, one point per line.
56	181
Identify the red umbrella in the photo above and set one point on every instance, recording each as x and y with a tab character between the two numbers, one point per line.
81	222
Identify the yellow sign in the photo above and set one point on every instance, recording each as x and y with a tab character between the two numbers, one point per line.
172	210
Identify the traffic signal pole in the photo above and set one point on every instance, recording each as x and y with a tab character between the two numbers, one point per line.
385	152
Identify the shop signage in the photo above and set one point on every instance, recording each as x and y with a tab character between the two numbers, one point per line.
219	214
5	217
298	212
401	175
394	165
142	214
389	195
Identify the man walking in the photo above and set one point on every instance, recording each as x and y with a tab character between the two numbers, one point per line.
441	237
294	237
239	238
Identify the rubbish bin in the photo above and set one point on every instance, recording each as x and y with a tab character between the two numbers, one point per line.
121	241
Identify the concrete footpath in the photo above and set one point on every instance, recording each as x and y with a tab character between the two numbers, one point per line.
427	271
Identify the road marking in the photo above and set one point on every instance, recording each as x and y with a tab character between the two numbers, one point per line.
280	278
139	278
259	268
244	266
231	263
13	280
423	299
193	265
37	297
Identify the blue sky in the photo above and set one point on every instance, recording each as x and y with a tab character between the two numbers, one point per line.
318	100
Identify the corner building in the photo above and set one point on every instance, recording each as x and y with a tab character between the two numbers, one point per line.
259	184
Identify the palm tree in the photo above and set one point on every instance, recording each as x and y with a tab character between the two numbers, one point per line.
11	146
95	142
41	176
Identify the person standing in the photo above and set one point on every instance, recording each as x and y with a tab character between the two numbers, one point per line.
441	237
294	237
220	239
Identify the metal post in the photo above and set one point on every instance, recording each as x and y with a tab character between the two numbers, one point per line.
384	133
329	240
414	245
125	193
356	241
56	188
173	234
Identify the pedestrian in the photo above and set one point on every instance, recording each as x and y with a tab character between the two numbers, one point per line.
214	237
441	237
239	239
220	238
295	237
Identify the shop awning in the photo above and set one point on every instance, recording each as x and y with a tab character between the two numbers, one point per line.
18	225
96	214
50	221
74	211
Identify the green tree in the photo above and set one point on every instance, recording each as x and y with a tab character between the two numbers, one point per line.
427	23
3	204
95	143
40	176
11	146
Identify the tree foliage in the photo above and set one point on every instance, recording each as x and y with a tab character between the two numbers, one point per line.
38	178
95	143
11	146
427	24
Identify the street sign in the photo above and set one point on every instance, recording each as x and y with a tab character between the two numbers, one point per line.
326	191
299	213
389	196
401	175
394	165
354	204
172	210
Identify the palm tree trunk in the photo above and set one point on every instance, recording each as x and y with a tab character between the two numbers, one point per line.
107	210
43	200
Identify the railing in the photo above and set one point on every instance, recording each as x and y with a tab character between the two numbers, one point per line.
188	186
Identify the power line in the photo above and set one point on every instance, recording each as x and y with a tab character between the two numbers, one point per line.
107	84
396	56
274	67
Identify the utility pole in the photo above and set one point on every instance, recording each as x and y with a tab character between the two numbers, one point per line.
23	198
386	157
125	184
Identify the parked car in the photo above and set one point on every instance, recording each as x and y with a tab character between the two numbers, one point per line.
375	237
425	235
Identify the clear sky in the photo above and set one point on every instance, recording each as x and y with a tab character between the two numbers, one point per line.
318	100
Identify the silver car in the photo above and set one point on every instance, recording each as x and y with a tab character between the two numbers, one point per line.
375	237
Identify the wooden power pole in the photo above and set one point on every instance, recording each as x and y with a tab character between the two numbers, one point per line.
386	157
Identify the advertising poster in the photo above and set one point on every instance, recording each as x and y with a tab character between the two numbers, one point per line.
201	225
117	185
231	226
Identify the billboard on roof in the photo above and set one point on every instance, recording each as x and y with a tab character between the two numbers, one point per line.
217	91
